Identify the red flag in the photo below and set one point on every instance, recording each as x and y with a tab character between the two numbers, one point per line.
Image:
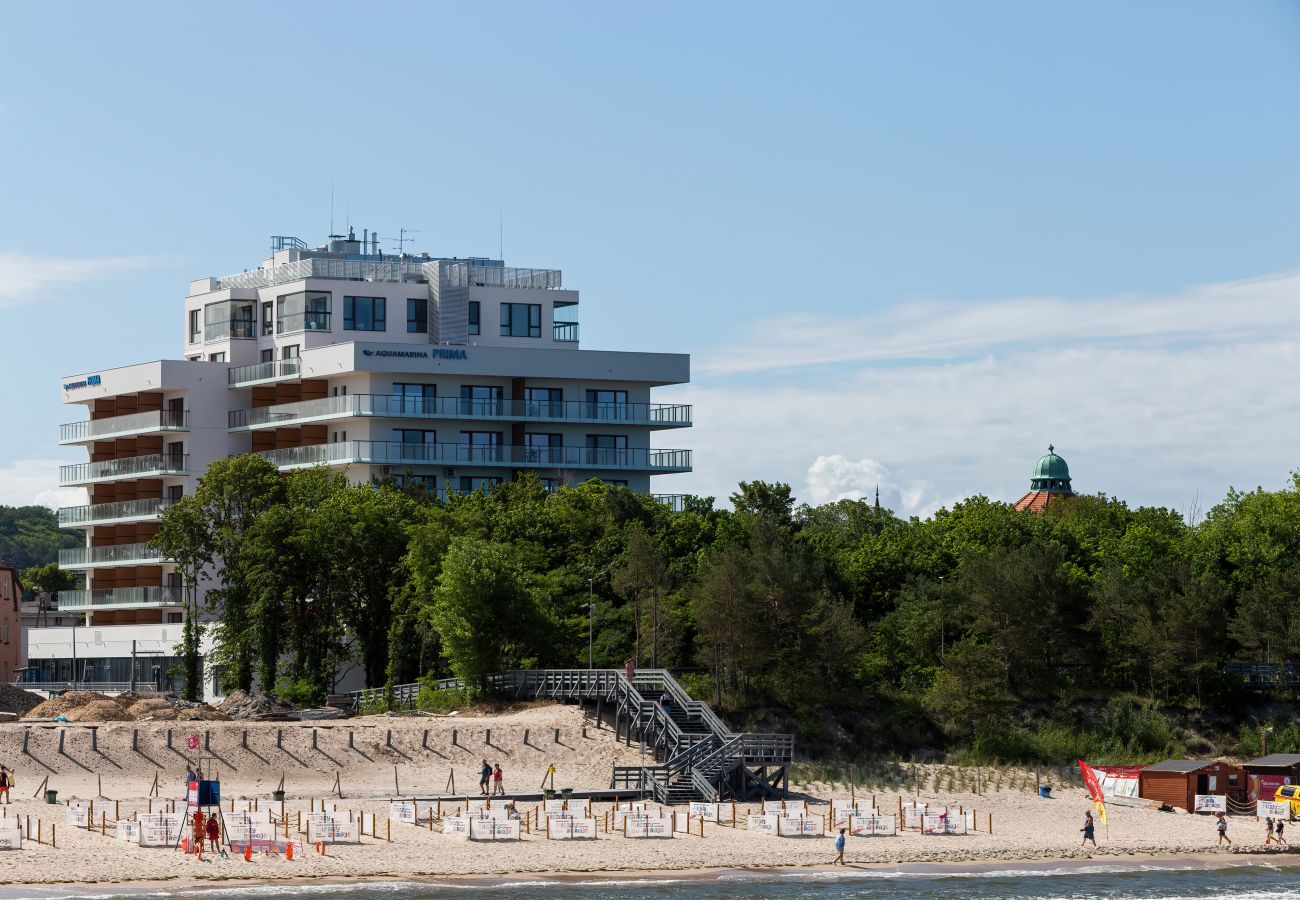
1094	789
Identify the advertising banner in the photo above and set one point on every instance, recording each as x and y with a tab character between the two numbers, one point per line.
160	829
647	828
773	808
762	824
843	816
868	826
553	807
333	831
1264	787
11	834
569	829
246	828
127	831
494	829
913	816
402	812
943	824
78	813
709	812
456	825
1273	809
1210	803
800	826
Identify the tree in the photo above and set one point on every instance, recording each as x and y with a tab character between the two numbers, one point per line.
48	579
30	536
483	610
642	579
184	537
760	498
724	608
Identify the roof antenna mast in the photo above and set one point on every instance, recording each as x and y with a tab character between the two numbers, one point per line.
331	207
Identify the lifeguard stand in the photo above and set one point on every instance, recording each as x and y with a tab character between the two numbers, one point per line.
204	795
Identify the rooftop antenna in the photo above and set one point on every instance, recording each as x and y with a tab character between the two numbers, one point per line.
501	236
403	240
331	207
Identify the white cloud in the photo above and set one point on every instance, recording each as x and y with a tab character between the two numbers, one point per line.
27	279
28	482
1146	404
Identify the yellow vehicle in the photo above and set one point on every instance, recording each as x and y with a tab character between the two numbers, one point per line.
1289	793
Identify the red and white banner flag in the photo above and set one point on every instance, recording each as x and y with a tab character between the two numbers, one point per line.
1094	789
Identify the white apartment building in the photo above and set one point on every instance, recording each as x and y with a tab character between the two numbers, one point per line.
452	375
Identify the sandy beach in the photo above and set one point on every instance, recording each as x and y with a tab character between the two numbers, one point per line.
366	755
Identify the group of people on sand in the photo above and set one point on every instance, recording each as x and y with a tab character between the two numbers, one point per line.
490	780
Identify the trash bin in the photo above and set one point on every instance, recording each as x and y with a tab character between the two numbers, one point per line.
548	794
1045	790
51	796
277	795
566	793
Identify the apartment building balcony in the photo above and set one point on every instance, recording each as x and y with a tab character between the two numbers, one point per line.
396	453
117	513
675	502
124	426
650	415
264	373
410	271
119	598
113	555
126	468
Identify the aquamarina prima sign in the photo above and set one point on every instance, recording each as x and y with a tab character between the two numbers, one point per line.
88	381
431	353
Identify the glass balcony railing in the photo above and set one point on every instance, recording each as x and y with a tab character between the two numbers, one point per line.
653	415
118	426
388	453
232	329
304	321
119	598
241	376
127	467
118	554
675	502
565	331
106	513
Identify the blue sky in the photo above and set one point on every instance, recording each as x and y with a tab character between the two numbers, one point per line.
909	243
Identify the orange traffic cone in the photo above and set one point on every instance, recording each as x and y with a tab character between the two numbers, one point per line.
288	851
185	845
248	853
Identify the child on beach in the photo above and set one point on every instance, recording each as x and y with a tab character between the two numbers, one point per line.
497	786
1223	830
1089	830
839	849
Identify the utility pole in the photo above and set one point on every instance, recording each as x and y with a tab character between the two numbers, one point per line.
133	667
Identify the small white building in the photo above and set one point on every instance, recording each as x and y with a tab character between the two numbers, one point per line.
453	375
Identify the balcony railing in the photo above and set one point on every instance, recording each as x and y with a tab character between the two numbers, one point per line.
462	274
105	513
313	320
118	426
127	467
241	376
119	598
396	453
231	329
675	502
653	415
117	554
565	331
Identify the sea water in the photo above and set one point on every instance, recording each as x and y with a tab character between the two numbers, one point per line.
1260	881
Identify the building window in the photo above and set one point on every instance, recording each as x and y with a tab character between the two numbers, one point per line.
607	449
479	446
480	400
610	405
4	632
417	316
484	483
474	317
521	320
268	354
415	483
364	314
216	357
548	402
289	351
414	399
195	325
175	491
414	445
303	311
544	448
551	485
268	318
173	618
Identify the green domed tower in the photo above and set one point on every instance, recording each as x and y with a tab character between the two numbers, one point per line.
1050	482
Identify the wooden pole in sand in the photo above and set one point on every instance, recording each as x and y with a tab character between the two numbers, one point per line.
397	790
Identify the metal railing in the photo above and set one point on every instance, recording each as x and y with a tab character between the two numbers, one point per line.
461	274
565	331
675	502
141	686
267	371
229	329
388	453
396	407
127	467
98	513
132	423
119	598
79	557
312	320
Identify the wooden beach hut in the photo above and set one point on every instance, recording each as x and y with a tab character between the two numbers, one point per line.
1268	773
1176	782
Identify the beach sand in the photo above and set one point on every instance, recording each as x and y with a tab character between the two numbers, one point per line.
1026	828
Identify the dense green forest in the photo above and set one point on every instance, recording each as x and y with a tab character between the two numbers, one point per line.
30	536
980	630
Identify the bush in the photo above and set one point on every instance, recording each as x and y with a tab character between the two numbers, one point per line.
433	699
301	692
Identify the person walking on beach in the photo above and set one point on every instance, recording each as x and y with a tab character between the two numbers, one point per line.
1223	830
1277	830
839	849
214	833
484	777
4	784
1268	836
497	787
1089	830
